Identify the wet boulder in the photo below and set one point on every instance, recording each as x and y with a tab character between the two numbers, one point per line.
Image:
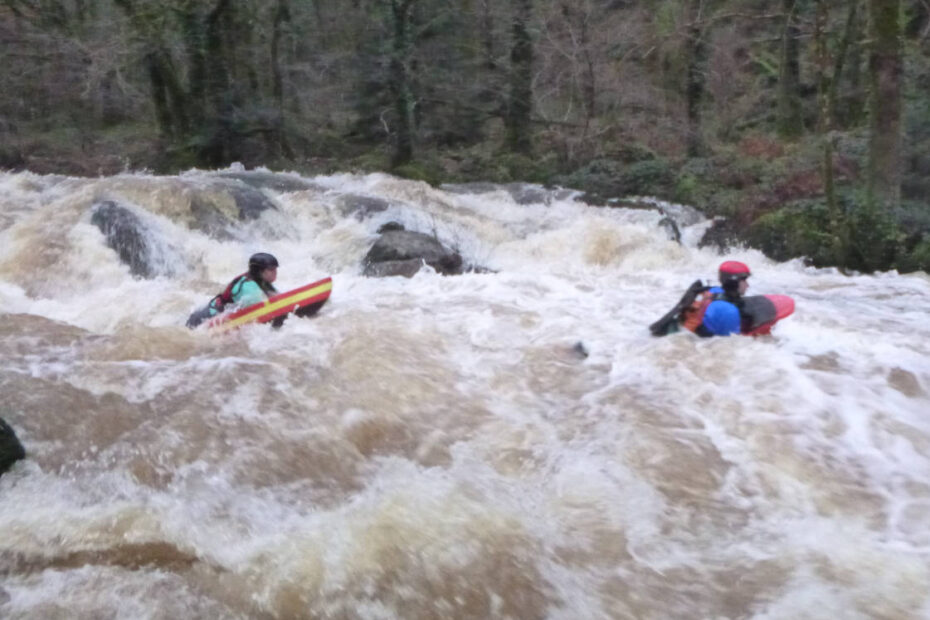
10	448
402	252
682	215
406	268
528	194
476	187
670	228
361	207
250	203
217	207
521	193
390	226
125	235
722	234
212	205
274	181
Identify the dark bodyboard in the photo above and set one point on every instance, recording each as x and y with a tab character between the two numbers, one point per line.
669	322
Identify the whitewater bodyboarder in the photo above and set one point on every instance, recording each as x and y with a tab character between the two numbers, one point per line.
711	310
251	287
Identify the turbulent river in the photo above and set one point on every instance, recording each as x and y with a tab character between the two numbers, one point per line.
435	446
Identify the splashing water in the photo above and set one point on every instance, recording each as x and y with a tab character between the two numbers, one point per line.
434	447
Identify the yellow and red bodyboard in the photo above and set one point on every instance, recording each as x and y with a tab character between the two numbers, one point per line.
273	307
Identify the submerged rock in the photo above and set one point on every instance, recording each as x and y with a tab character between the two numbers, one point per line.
528	194
390	226
10	448
146	252
522	193
671	229
275	181
250	202
125	235
402	252
361	206
407	268
214	215
722	234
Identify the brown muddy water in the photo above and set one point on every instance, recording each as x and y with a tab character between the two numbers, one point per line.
434	447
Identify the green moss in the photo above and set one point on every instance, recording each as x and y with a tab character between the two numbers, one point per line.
918	258
876	239
609	178
687	189
652	177
798	230
519	167
426	171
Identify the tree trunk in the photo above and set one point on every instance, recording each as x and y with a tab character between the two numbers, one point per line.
401	90
520	104
846	43
171	103
850	113
884	179
487	35
790	120
281	16
194	47
589	81
825	118
169	97
696	58
826	104
220	143
166	125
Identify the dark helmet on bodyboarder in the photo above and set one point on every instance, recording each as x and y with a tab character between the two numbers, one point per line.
732	272
263	260
260	262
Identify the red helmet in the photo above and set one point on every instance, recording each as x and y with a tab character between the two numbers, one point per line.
733	271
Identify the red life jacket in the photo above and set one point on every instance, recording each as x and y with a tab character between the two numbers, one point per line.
226	297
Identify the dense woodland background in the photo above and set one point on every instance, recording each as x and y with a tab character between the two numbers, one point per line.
805	122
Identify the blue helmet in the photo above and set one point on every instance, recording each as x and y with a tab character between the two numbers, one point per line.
722	318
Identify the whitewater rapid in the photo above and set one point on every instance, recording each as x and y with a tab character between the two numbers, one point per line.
436	447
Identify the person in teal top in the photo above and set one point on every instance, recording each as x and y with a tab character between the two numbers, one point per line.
246	289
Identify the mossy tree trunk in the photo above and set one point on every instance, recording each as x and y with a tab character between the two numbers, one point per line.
520	102
282	17
201	108
696	62
828	76
790	119
400	80
220	140
884	174
851	102
168	95
488	47
170	98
